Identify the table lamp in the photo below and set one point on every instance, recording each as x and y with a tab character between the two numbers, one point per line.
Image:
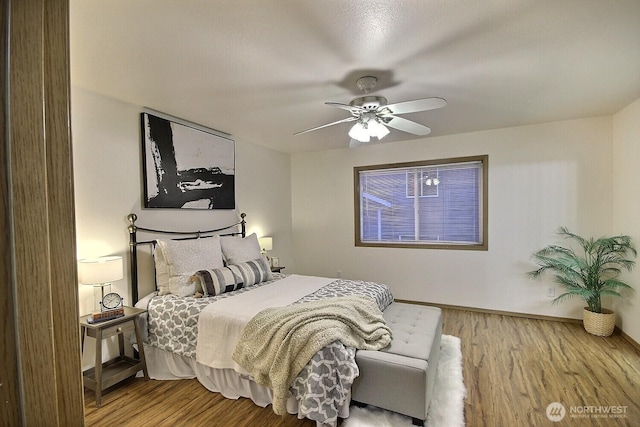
266	244
99	273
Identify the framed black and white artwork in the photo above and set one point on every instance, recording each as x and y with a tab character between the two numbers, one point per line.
186	166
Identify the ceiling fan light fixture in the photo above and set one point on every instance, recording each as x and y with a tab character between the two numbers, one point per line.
377	129
359	132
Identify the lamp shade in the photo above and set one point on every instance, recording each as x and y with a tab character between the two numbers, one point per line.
266	243
377	129
359	132
101	270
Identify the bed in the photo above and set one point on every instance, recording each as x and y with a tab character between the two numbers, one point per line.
213	301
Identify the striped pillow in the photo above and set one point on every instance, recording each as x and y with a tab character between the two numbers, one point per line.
231	278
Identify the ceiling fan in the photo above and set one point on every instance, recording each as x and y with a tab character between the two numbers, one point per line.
373	115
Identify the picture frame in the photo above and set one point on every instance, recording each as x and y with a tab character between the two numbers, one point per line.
185	165
275	262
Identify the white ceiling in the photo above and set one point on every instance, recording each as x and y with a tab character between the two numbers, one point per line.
261	70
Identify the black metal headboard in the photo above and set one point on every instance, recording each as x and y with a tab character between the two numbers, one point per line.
183	235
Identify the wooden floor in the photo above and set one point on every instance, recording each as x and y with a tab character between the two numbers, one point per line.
513	369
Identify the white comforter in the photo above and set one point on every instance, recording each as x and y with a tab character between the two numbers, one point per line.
221	323
176	326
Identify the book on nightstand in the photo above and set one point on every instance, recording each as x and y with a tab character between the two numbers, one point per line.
103	316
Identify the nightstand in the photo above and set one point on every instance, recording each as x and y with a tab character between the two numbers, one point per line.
276	269
106	374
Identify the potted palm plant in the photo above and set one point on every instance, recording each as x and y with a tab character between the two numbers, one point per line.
589	274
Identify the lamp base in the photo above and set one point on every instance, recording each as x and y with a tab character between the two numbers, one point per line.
98	295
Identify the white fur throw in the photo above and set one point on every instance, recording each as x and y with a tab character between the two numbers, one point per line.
278	342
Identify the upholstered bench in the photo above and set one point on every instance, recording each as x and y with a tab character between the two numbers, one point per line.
400	377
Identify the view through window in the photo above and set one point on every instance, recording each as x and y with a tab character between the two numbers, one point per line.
436	204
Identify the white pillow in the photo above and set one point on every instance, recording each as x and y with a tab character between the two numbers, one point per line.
162	270
237	250
183	258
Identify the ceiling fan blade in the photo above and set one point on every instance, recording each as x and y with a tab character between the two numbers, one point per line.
406	125
348	119
414	106
353	109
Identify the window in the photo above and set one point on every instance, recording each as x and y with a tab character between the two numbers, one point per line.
427	204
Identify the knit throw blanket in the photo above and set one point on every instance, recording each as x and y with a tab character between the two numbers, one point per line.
278	342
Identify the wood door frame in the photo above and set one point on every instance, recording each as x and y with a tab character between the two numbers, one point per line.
40	373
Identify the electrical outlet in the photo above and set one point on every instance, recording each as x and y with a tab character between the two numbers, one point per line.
551	292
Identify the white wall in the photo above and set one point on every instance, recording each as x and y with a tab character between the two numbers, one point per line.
626	198
541	177
108	186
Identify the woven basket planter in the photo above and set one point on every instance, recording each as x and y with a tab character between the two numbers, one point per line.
601	324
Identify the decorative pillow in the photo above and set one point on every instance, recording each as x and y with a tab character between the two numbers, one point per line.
180	286
216	281
161	270
233	277
237	250
183	257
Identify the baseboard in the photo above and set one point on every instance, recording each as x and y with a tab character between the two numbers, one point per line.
489	311
516	314
629	339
